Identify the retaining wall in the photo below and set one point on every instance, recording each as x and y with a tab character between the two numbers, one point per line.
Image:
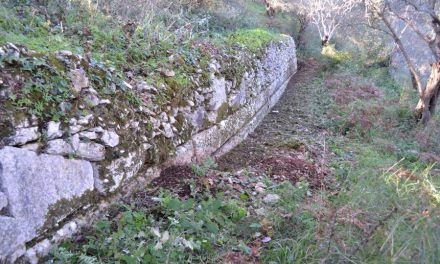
53	174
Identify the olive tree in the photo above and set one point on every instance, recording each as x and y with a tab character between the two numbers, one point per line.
421	16
326	15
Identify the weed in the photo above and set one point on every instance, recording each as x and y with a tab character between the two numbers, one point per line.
331	52
291	143
202	169
187	230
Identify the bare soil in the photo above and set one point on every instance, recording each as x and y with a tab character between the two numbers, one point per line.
176	178
289	143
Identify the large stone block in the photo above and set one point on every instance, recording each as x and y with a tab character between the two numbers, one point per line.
23	136
219	93
33	184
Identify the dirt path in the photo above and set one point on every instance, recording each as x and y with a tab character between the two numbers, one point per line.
290	141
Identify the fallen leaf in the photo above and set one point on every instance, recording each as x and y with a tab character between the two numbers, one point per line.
155	231
266	239
425	213
255	251
86	31
288	215
266	226
405	174
167	73
211	181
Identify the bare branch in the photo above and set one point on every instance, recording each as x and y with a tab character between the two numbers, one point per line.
402	49
326	15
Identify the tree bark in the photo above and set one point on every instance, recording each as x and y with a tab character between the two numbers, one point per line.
413	81
428	102
301	32
324	41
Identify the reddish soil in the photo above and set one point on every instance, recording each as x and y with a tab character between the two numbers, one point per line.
294	170
287	143
176	179
238	258
349	93
345	90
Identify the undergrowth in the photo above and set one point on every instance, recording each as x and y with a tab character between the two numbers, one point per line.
182	228
205	228
382	171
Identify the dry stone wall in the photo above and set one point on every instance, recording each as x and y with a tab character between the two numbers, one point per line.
53	173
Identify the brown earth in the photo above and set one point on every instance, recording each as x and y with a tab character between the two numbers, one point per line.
289	144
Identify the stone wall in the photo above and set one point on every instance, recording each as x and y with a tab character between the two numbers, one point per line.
52	174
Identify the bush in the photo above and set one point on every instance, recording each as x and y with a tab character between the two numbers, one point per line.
330	52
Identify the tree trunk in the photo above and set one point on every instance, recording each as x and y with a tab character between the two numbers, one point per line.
324	41
301	32
428	102
413	81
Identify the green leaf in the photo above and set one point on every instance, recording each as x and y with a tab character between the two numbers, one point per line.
255	225
244	196
212	227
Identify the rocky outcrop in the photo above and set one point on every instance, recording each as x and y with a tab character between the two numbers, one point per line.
51	170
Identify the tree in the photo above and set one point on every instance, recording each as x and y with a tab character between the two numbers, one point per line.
300	14
416	15
326	15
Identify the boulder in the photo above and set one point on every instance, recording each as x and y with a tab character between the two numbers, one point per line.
90	151
198	118
84	150
90	135
167	130
59	147
32	146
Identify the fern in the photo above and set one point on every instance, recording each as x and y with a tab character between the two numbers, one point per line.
84	259
62	254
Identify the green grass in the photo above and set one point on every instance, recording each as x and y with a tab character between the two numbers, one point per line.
254	39
368	172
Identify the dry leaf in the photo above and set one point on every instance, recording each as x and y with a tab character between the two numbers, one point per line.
167	73
405	174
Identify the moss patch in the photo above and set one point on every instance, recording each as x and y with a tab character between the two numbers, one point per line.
254	39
